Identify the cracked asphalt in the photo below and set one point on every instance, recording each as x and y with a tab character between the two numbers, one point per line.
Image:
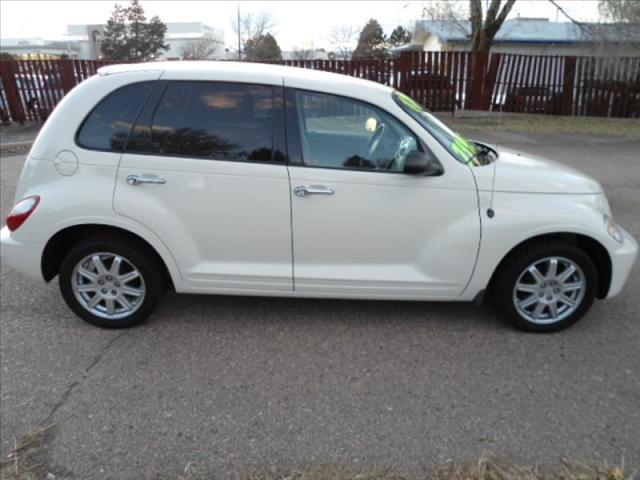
226	385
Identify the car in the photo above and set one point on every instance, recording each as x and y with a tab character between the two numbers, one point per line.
248	179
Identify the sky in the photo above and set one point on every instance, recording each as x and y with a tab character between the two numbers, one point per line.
302	24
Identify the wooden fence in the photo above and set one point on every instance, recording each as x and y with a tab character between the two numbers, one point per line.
441	81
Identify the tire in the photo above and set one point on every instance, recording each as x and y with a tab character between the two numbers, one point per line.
572	296
80	287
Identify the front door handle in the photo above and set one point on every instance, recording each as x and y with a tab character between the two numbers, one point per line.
138	179
303	190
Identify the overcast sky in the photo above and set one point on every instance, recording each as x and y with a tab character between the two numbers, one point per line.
299	23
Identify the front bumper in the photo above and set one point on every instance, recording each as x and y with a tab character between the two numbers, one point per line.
23	256
622	260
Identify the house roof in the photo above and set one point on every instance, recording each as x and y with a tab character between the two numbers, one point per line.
520	30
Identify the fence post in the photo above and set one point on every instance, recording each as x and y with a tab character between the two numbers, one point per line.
68	75
567	85
8	74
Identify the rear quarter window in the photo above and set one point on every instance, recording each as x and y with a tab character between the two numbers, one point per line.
109	123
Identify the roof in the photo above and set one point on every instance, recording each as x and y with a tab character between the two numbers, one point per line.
249	72
519	30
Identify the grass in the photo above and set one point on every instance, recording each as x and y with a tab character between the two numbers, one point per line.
28	461
485	468
620	127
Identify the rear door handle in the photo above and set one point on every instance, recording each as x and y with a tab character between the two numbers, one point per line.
138	179
303	190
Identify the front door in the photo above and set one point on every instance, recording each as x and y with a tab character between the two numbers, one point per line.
363	228
204	170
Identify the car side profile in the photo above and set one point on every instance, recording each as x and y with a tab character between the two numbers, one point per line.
247	179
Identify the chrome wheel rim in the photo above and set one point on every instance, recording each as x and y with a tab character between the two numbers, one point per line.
549	290
108	285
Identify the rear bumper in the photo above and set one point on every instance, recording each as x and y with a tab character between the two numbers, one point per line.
23	256
622	260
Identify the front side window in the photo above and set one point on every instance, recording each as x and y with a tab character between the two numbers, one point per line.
215	120
109	123
465	151
339	132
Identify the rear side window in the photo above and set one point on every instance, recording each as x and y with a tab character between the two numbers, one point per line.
109	123
215	120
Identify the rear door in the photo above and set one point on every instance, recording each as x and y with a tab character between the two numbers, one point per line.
204	170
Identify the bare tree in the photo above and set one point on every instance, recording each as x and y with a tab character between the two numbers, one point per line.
485	27
341	38
302	53
251	26
201	49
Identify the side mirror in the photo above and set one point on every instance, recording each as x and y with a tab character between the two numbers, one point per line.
421	163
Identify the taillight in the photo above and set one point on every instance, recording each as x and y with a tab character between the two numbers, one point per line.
21	211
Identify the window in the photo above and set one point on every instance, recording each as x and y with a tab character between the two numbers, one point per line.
465	151
339	132
109	123
216	120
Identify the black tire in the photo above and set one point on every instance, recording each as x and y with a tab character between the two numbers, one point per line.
134	252
521	259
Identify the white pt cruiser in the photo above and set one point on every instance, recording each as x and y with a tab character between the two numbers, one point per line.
248	179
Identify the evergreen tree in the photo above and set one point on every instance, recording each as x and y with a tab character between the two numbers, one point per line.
129	36
399	36
371	42
262	47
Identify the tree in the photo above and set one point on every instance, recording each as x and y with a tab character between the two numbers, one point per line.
341	38
262	48
129	36
6	56
201	49
620	11
484	30
371	42
399	36
251	26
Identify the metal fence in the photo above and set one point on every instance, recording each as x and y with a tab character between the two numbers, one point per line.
441	81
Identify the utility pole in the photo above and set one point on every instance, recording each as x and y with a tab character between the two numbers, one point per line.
239	52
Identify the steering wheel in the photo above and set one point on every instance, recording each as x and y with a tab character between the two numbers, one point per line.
375	139
407	144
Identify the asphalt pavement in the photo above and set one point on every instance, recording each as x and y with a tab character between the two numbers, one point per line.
225	385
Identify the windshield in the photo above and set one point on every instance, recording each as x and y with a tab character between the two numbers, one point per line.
463	150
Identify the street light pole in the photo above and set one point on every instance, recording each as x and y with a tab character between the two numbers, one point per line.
239	52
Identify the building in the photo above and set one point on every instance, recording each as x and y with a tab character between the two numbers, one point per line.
534	36
40	48
308	54
179	35
83	42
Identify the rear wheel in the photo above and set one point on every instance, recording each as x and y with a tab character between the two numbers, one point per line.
546	287
111	282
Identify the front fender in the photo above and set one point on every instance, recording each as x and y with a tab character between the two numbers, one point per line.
519	217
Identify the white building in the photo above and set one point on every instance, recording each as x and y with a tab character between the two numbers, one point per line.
83	42
179	35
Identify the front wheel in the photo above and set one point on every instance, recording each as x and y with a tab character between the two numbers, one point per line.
111	282
546	287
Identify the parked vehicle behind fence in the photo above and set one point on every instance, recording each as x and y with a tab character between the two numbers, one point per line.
247	179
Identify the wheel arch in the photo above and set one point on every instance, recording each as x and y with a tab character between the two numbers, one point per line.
593	248
60	243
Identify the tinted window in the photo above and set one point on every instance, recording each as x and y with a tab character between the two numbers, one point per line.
223	121
339	132
109	123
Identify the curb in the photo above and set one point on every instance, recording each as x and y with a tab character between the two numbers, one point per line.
15	147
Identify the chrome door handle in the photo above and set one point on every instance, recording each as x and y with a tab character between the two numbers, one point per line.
303	190
138	179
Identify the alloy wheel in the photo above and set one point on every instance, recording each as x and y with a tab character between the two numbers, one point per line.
549	290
